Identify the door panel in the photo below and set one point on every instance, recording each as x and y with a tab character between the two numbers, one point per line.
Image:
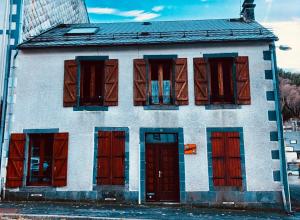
168	173
162	172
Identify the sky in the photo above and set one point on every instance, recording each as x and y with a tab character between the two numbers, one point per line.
283	16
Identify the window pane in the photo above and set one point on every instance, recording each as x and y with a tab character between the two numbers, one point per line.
161	138
34	162
40	159
166	92
155	92
92	83
221	80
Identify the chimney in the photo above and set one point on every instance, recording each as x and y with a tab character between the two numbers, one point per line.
247	12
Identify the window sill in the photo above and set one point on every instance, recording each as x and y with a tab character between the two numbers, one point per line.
38	189
163	107
90	108
228	188
222	106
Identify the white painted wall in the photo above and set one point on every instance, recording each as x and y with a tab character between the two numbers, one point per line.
39	99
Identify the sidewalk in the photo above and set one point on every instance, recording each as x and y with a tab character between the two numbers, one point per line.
55	210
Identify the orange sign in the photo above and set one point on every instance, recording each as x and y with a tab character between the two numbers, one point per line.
190	149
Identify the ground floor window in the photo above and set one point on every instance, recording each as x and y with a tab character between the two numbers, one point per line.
40	159
226	159
44	158
111	158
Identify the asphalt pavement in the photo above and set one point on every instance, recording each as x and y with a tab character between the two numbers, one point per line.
54	210
73	210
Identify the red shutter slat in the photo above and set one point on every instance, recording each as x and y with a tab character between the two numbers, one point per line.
104	158
200	81
15	167
118	155
233	159
139	84
70	80
243	81
218	158
181	82
111	82
60	159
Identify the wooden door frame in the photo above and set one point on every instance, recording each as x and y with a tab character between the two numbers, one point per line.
142	172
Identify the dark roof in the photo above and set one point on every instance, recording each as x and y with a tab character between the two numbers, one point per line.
154	32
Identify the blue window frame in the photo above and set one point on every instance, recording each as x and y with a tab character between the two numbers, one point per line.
126	171
222	84
209	132
161	79
90	74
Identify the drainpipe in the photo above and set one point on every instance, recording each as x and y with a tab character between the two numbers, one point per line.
5	85
283	169
139	170
13	67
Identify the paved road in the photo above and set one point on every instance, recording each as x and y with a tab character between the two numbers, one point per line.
51	210
295	192
94	211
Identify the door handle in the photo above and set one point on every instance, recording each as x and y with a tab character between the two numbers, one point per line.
159	174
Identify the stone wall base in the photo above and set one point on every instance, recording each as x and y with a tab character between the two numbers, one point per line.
216	199
237	199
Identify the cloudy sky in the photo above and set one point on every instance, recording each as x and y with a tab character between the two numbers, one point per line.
281	15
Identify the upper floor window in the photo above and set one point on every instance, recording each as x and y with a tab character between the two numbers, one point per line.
222	81
160	82
92	83
160	91
97	84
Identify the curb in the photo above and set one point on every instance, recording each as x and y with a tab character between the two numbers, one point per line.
56	217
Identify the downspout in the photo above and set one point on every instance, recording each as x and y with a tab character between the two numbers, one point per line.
13	67
5	87
283	174
139	170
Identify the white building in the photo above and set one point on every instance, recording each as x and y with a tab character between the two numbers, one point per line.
181	111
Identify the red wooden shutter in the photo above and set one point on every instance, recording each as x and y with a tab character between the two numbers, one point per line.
200	81
139	84
218	159
181	82
111	82
233	160
243	81
226	158
103	157
111	154
70	80
15	167
60	159
118	155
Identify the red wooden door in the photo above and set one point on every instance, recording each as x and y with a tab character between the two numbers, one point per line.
162	173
